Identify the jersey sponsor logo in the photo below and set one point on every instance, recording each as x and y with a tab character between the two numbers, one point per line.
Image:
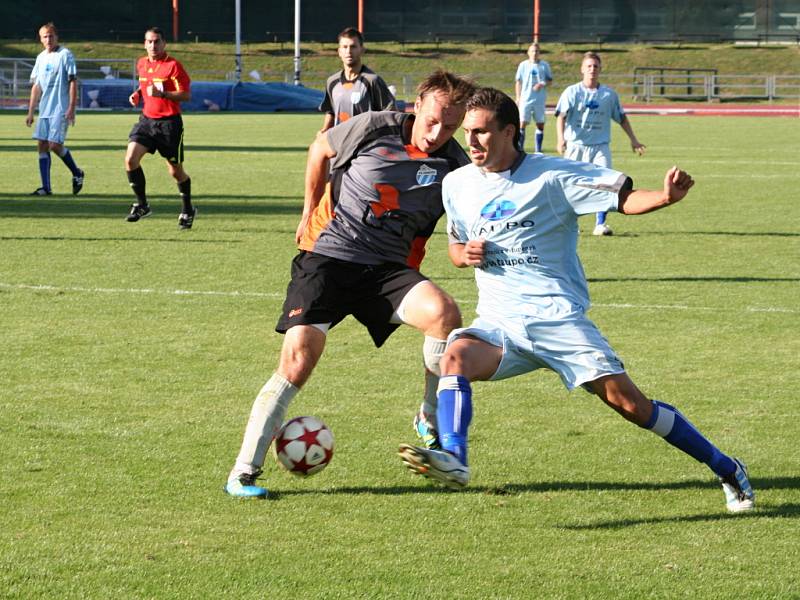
592	104
498	209
355	97
295	312
426	175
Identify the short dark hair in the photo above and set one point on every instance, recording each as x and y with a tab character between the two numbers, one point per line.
504	109
352	33
457	89
157	31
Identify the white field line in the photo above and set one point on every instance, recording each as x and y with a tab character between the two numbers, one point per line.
237	294
96	290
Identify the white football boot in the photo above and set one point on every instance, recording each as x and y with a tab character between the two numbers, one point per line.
440	465
739	494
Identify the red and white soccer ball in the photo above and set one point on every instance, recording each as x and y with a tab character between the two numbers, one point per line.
304	446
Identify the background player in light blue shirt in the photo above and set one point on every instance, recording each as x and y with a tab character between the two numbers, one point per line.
514	218
55	90
583	123
531	81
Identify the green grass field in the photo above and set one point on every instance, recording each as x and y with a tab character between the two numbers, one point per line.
131	354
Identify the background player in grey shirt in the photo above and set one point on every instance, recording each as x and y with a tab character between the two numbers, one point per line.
355	89
372	197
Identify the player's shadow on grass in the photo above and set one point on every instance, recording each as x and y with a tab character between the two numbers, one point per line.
786	511
699	279
756	234
544	487
79	147
104	206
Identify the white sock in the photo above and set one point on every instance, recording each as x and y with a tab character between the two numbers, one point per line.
266	418
432	352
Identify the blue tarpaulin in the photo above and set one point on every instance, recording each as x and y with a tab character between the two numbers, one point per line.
209	96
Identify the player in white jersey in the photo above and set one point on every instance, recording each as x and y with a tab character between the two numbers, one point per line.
583	123
514	217
530	84
54	90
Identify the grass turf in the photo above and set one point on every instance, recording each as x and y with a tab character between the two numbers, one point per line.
132	352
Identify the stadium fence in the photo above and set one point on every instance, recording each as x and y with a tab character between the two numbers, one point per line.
645	84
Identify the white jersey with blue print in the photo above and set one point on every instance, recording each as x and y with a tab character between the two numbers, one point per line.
588	114
52	72
529	74
528	216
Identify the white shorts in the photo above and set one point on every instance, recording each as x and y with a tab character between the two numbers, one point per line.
574	348
597	154
51	129
532	112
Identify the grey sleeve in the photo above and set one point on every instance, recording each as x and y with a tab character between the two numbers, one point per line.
382	98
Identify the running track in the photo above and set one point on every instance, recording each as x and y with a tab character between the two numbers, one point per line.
714	110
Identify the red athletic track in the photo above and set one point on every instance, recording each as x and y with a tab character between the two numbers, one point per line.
715	110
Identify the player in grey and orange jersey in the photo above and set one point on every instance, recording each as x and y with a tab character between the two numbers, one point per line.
355	89
372	198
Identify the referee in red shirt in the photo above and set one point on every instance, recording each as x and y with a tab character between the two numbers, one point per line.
163	85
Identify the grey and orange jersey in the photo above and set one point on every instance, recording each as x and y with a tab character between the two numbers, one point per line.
384	196
347	98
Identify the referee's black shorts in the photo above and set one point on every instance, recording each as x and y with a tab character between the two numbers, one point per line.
164	135
326	290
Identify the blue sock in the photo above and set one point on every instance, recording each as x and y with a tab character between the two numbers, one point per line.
539	140
668	422
600	218
522	140
67	158
44	169
453	414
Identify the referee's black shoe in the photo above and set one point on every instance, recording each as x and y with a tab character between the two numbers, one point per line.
186	220
138	212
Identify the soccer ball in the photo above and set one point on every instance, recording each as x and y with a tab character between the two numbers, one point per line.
304	446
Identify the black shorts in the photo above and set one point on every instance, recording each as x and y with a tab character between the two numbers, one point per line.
164	135
326	290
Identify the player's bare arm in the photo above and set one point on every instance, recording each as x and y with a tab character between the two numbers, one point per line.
561	145
319	154
677	184
467	255
73	100
327	123
636	145
36	94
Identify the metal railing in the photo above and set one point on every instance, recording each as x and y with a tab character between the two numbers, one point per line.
645	84
15	84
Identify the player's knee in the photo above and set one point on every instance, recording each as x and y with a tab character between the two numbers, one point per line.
296	367
131	162
631	404
448	312
452	362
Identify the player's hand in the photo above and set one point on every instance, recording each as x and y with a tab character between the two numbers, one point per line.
638	147
70	116
561	146
301	228
29	120
474	252
677	184
537	87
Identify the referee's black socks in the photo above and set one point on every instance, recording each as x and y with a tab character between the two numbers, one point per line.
185	188
136	179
